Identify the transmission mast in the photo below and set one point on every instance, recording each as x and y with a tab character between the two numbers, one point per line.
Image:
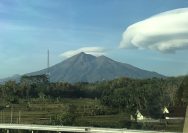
48	64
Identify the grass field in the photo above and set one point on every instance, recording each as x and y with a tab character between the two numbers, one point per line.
39	111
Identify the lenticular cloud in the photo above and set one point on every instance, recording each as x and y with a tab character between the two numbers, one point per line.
166	32
97	51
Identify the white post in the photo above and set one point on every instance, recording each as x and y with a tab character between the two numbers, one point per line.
32	132
7	131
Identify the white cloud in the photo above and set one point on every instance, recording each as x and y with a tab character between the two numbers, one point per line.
97	51
166	32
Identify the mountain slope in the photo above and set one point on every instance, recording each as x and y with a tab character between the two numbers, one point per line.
88	68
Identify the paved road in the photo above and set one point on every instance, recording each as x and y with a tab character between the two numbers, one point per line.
72	129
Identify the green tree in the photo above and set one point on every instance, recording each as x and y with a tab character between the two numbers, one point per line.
65	118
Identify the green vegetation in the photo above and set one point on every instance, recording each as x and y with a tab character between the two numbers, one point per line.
103	104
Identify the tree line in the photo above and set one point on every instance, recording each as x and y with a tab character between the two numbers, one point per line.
147	95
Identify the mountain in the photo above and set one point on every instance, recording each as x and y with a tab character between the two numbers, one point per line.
88	68
15	77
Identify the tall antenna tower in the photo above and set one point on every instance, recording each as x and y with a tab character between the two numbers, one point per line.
48	63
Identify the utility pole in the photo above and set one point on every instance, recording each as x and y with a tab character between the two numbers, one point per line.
11	115
1	116
19	117
50	120
48	61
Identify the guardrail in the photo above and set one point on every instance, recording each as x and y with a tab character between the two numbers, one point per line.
60	129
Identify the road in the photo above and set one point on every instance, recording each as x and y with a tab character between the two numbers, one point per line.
59	129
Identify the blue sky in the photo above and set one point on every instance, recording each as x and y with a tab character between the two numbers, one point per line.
29	27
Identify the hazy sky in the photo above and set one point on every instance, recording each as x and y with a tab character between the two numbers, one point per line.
29	27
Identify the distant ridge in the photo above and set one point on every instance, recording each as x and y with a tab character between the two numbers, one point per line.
15	77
